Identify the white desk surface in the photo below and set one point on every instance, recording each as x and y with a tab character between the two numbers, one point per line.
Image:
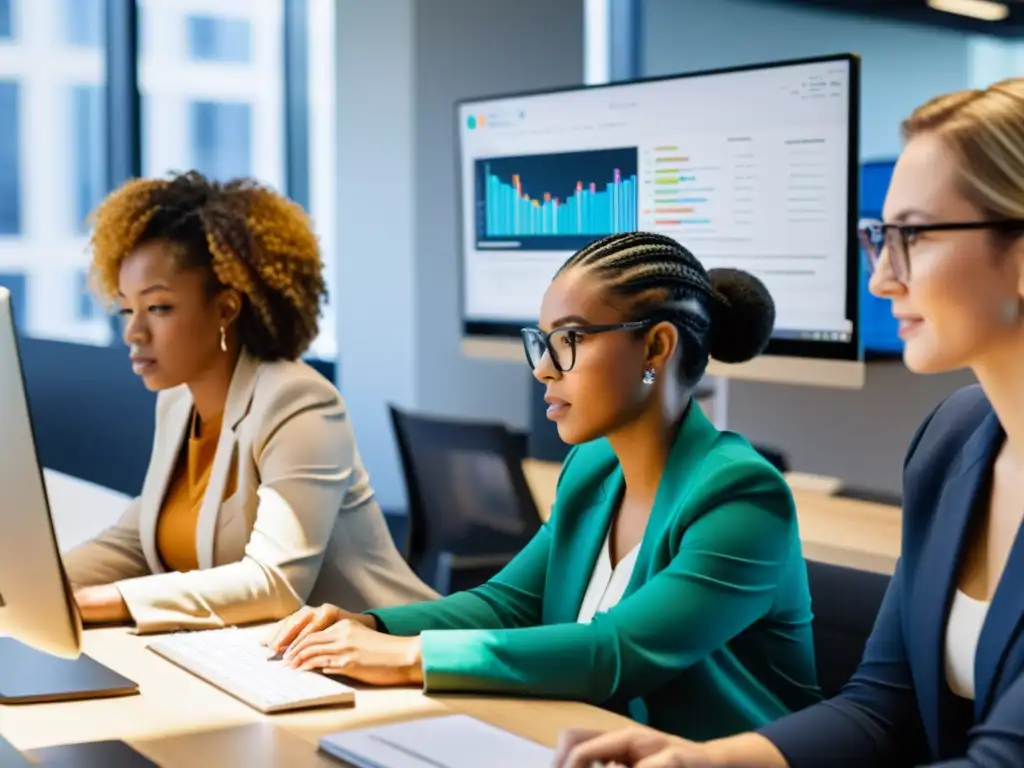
80	509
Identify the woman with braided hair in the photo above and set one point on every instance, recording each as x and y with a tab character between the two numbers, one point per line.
668	583
255	497
941	681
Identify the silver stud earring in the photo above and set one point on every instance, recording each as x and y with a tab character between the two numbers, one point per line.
223	339
648	376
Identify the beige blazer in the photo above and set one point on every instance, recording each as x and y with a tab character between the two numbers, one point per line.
303	524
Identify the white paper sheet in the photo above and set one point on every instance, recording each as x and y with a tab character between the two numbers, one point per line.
454	741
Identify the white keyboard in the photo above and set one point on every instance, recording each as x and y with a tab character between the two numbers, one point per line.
234	661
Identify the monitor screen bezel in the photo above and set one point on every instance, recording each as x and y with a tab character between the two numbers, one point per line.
826	350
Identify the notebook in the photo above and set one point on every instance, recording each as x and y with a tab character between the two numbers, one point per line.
453	741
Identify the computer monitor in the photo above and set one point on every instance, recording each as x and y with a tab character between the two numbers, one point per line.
37	607
36	604
753	167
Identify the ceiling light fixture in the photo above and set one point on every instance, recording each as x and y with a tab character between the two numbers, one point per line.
986	10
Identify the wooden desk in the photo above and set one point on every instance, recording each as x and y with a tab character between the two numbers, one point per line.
179	720
856	534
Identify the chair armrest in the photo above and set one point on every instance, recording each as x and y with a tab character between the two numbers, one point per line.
449	563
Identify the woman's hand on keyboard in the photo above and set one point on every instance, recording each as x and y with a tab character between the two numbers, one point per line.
638	747
352	649
307	620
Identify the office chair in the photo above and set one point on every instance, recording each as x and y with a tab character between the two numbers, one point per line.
470	508
103	380
845	602
775	457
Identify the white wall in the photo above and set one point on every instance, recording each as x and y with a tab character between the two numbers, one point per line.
400	65
867	431
473	48
993	59
374	287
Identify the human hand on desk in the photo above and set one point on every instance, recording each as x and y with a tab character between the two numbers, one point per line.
307	620
342	643
632	747
101	604
352	649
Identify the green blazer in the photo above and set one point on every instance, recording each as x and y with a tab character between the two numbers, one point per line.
713	633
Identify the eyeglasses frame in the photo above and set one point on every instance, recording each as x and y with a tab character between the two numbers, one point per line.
901	267
582	330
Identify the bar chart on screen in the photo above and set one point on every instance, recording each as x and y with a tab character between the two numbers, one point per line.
699	189
555	201
733	188
678	190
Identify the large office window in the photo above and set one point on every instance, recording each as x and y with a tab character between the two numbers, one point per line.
6	20
221	138
218	94
15	283
10	158
88	135
87	306
201	114
219	39
83	21
51	160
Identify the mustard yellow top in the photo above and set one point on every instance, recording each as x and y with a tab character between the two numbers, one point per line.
176	526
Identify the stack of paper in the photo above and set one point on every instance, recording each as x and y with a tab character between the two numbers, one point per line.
455	741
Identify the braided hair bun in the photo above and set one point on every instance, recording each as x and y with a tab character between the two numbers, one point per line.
742	316
726	314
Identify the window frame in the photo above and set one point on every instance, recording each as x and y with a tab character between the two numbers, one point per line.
11	21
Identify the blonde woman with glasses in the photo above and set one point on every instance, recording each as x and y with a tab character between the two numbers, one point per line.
942	678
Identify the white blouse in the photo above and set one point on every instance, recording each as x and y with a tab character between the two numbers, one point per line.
963	629
607	584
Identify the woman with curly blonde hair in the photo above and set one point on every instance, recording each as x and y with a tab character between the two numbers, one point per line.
255	498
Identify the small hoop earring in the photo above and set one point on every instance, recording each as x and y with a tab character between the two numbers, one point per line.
223	339
648	376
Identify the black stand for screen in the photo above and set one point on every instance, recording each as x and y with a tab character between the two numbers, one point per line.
93	754
96	754
28	676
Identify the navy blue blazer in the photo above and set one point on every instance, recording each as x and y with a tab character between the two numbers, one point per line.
897	709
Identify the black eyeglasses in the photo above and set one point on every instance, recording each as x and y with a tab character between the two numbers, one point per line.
896	239
561	342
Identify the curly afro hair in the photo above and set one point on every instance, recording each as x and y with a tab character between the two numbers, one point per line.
249	237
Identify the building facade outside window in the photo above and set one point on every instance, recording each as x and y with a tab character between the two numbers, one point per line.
211	75
219	39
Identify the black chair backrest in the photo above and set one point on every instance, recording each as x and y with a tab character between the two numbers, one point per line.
466	489
845	602
775	457
93	417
